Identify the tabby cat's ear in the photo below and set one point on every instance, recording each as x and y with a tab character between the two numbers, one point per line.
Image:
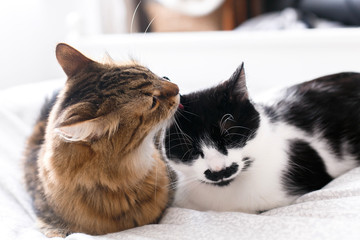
88	130
70	59
85	131
237	84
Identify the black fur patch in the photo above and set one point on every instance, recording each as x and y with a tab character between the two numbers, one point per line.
306	171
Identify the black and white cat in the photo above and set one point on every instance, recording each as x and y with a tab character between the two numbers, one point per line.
235	155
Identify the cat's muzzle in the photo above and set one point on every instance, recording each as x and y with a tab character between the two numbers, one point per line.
222	177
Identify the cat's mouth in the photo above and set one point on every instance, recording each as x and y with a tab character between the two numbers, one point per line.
220	183
223	177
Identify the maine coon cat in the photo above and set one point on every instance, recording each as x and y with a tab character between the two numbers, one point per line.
232	154
91	165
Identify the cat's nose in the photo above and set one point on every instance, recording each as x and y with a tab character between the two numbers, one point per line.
169	90
225	173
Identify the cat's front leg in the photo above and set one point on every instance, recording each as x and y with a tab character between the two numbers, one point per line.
52	231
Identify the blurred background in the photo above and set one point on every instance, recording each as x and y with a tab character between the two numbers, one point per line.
30	29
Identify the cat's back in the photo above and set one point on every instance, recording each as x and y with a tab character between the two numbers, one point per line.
332	99
326	109
340	85
34	143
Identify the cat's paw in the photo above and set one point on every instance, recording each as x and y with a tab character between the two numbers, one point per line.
52	231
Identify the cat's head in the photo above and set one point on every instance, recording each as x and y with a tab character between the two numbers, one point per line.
106	100
205	142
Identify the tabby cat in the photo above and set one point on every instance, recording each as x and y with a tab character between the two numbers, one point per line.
90	164
232	154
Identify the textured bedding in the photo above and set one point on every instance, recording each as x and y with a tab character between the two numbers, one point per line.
330	213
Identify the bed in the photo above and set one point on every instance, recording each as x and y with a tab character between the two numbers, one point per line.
195	61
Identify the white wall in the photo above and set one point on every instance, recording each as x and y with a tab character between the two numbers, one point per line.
30	30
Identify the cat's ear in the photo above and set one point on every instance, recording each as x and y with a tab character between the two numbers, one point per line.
236	85
87	130
70	59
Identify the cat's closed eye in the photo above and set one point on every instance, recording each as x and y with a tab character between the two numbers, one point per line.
201	154
154	102
166	78
194	154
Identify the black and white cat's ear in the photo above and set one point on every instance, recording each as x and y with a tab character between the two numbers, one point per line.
237	83
70	59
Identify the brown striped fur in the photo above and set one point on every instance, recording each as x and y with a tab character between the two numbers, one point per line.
90	164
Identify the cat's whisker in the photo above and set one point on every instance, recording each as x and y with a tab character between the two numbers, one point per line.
183	133
188	180
171	134
148	26
255	118
251	134
181	114
235	127
189	188
246	138
177	145
194	101
224	116
298	166
176	137
182	145
186	138
133	17
174	134
238	134
190	149
178	182
181	183
180	137
223	122
190	113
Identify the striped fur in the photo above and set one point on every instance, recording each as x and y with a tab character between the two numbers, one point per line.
90	164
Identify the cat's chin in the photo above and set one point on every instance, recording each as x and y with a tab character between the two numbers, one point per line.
222	183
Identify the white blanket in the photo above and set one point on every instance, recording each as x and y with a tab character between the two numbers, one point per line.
330	213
